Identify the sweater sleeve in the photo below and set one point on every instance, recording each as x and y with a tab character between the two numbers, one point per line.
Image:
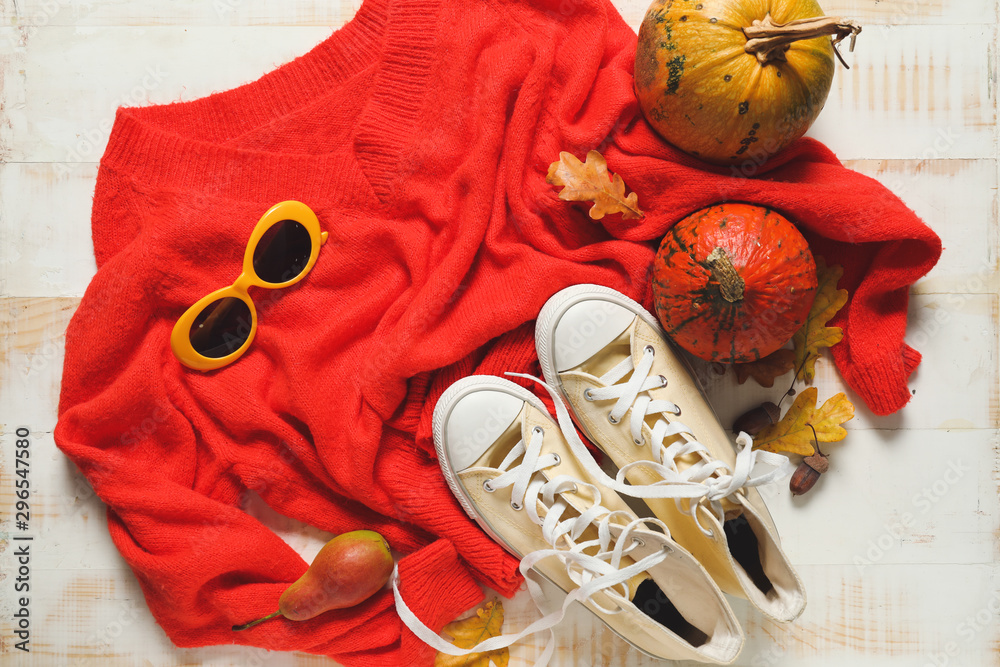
174	512
848	218
175	479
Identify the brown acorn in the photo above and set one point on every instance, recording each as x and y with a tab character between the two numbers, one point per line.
808	472
754	420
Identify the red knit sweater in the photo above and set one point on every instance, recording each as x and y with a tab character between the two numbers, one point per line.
420	133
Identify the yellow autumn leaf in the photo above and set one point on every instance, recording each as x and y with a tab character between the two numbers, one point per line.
766	370
792	433
591	181
468	632
814	334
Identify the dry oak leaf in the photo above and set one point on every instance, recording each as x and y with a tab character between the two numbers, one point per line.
814	334
793	435
468	632
591	181
765	370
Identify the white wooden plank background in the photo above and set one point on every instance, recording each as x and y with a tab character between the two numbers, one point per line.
898	544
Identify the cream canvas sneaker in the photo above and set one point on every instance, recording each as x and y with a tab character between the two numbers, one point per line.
514	472
634	397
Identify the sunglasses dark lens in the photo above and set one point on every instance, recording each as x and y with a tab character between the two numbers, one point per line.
221	328
283	252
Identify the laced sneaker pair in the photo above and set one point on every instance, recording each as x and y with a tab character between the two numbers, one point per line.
541	496
528	480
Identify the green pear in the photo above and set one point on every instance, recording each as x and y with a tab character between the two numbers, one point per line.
348	570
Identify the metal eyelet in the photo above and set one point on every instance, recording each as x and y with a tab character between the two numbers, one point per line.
663	381
487	487
612	419
650	349
516	507
636	540
588	395
538	430
638	442
558	459
677	412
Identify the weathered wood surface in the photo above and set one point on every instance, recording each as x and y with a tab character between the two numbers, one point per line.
898	544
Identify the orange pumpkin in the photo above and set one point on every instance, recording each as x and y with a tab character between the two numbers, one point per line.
735	81
733	282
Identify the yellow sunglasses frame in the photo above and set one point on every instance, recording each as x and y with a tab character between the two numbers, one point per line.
180	337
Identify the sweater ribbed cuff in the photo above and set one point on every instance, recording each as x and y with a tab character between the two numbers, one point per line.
882	382
437	588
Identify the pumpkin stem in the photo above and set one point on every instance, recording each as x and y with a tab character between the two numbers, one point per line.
730	283
769	40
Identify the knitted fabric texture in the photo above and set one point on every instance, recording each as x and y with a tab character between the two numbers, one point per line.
420	133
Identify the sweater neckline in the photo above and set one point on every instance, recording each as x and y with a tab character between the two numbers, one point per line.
155	146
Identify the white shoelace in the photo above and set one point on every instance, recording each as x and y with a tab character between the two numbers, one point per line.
595	573
717	481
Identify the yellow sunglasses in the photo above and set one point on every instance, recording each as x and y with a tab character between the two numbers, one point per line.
219	328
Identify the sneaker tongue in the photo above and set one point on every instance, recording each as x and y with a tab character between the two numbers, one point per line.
732	510
637	345
610	355
634	582
496	452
